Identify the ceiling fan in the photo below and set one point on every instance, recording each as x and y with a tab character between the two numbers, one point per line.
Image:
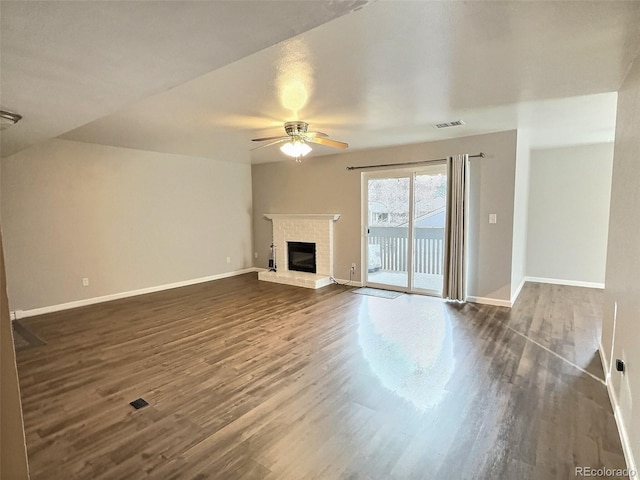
295	143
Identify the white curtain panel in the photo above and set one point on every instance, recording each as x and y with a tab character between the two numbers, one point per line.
454	282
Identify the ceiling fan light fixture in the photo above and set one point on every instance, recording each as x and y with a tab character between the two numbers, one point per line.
297	139
295	149
8	118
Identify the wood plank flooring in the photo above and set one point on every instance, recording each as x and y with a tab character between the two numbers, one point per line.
254	380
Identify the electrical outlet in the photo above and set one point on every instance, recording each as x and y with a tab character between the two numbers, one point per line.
255	254
353	268
228	259
85	282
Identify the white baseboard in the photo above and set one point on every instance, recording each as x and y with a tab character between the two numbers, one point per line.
605	363
622	430
514	297
559	281
115	296
489	301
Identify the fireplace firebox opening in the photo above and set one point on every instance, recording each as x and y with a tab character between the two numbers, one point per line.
302	256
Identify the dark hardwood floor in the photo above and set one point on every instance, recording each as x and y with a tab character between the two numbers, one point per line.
253	380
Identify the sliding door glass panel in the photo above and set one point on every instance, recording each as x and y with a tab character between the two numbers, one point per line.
429	211
388	218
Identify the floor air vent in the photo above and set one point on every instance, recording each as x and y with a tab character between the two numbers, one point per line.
139	403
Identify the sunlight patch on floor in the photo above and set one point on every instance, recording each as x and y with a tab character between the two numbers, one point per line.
407	343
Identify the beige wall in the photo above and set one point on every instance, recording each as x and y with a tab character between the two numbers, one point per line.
569	213
13	454
126	219
622	284
323	185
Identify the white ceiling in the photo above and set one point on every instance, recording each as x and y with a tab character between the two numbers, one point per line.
203	78
66	63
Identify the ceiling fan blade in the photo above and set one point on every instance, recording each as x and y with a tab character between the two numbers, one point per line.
328	142
315	134
281	140
264	139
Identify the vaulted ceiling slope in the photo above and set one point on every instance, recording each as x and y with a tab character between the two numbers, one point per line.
66	63
204	79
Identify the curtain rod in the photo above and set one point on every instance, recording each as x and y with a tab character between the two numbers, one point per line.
479	155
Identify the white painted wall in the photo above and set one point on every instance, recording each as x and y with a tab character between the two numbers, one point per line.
569	195
126	219
520	213
621	333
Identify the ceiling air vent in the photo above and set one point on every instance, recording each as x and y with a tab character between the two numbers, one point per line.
455	123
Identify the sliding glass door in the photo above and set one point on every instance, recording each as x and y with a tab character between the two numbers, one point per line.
430	196
388	215
404	213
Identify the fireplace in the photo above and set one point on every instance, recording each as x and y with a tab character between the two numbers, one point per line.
302	256
315	229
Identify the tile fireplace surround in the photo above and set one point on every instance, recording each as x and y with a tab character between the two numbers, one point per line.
312	228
